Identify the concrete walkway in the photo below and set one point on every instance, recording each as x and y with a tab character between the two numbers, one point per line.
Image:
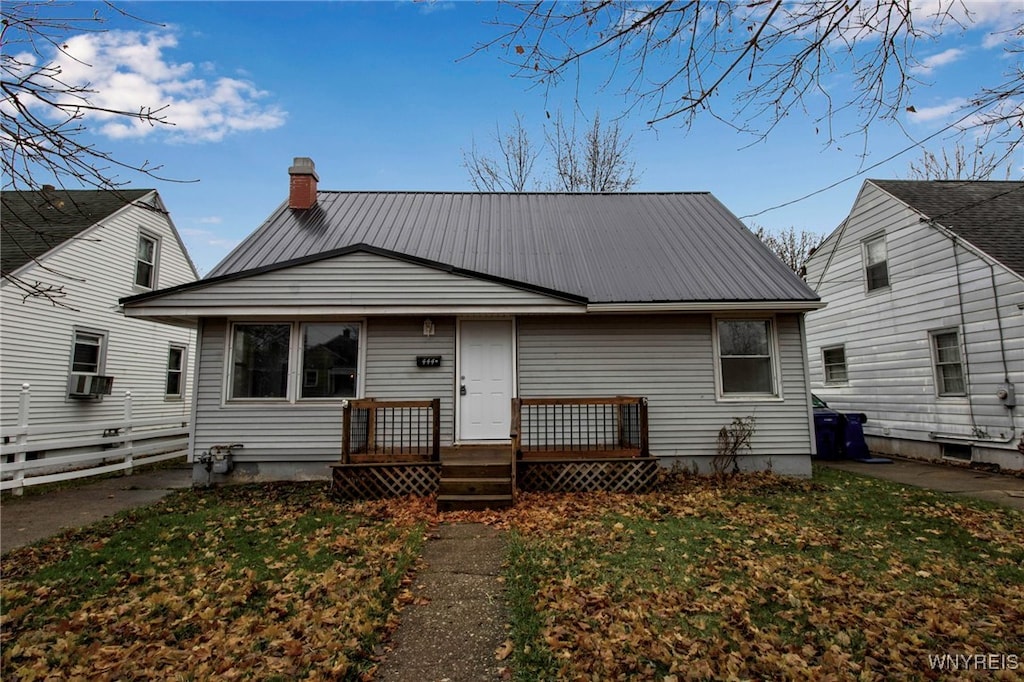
453	629
999	488
34	516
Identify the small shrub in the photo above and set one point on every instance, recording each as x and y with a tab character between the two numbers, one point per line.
731	440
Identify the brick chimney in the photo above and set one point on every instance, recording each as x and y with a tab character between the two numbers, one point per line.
302	188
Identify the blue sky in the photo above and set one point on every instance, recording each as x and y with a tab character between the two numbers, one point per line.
378	95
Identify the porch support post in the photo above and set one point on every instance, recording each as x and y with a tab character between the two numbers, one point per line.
346	431
645	445
435	414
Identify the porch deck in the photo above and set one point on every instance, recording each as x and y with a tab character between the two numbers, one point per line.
556	445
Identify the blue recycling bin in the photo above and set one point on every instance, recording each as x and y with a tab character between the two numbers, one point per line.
827	433
854	445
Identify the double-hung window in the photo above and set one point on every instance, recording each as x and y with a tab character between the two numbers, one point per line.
175	384
876	263
145	261
746	365
87	352
949	371
833	360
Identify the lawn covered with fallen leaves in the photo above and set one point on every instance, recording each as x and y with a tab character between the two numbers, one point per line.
751	577
250	582
759	577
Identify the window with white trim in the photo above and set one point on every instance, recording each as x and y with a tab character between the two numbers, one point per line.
949	371
330	359
88	352
746	365
323	357
145	261
174	387
259	360
876	263
833	360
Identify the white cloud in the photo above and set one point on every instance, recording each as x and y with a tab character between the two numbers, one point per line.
938	112
997	18
208	238
929	64
211	220
129	71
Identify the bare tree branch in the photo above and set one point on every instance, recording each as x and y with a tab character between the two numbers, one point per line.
598	160
959	163
792	247
43	116
771	57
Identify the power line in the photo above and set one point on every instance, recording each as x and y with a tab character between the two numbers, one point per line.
869	168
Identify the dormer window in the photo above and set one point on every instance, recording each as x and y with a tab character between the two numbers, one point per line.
145	262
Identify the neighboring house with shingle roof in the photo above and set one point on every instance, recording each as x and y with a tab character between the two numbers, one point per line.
924	329
89	248
661	295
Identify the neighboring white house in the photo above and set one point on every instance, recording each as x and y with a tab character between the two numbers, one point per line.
924	329
478	298
78	352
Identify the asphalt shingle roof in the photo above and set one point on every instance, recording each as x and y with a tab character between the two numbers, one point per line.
33	222
605	248
988	214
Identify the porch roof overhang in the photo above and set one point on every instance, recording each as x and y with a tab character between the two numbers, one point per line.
190	315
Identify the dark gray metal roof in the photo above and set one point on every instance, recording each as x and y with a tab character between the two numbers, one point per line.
36	221
988	214
604	248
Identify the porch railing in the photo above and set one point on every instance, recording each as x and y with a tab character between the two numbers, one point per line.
580	427
391	430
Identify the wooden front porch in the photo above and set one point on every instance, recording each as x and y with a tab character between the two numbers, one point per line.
392	448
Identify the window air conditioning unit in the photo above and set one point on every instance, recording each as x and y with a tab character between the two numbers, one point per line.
89	385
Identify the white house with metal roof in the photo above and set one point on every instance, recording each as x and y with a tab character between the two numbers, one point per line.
478	299
924	330
69	356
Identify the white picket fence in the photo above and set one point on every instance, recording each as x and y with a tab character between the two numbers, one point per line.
132	441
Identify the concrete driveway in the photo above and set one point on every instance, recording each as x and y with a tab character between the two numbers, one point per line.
999	488
32	517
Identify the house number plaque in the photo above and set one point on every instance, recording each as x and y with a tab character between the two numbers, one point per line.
428	360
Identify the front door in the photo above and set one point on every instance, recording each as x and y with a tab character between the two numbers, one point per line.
485	386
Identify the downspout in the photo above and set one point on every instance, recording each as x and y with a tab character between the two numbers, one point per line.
967	370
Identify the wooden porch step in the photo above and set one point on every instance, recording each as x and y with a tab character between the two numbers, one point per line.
476	470
473	502
476	486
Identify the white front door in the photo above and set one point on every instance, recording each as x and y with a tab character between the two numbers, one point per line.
485	386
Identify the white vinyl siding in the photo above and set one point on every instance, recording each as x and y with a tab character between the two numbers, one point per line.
95	270
310	430
886	334
354	283
670	360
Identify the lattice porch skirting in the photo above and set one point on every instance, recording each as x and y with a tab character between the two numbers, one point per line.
633	475
379	481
